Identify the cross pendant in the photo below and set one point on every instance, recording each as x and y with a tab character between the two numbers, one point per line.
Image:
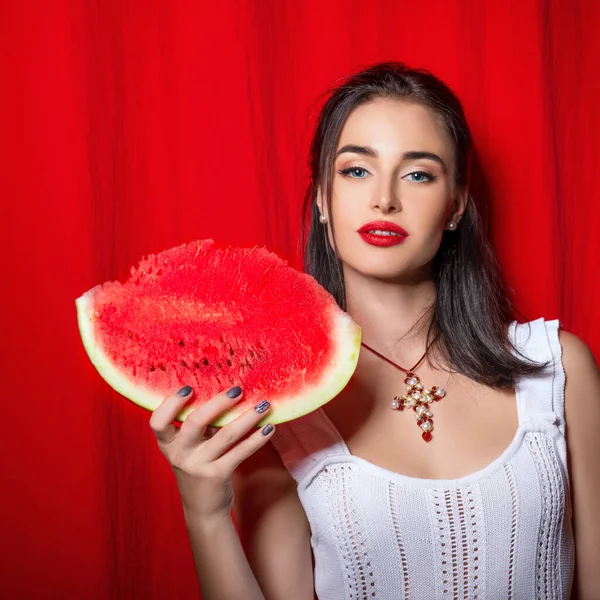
419	398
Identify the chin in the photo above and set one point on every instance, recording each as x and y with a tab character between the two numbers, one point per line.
389	269
383	272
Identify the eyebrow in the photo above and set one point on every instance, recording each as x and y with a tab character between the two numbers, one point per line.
411	155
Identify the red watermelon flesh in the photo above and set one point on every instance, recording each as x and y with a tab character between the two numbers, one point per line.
213	318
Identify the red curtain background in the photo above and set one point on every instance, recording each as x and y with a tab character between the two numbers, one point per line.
132	126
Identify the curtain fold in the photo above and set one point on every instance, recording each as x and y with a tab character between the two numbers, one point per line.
131	127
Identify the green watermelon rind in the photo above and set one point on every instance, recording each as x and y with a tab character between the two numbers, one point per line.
345	332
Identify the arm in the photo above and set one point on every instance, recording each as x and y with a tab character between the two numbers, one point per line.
273	527
582	413
222	568
203	468
275	561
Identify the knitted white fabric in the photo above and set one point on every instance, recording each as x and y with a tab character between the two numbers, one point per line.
502	533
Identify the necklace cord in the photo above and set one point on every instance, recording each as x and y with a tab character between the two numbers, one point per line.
391	362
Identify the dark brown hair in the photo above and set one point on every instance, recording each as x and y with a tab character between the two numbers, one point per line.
472	309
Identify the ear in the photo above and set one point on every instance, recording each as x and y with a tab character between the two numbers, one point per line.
320	202
458	208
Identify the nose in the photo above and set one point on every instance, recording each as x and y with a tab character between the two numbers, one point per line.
385	198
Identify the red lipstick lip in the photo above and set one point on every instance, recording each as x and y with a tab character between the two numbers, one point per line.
382	240
383	226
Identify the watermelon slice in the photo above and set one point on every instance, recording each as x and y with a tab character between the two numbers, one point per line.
213	318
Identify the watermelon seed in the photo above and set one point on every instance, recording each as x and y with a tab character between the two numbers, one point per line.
228	362
205	361
231	351
180	342
162	367
252	353
152	368
196	365
183	363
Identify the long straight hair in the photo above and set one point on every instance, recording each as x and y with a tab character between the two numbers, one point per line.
467	322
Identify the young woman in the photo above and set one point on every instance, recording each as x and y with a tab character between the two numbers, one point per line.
487	488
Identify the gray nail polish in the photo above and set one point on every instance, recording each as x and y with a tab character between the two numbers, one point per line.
185	391
234	392
261	407
266	430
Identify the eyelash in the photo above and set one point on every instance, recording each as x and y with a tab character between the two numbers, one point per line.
430	178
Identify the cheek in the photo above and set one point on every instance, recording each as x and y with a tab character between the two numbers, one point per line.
428	231
429	210
428	219
347	213
346	197
345	227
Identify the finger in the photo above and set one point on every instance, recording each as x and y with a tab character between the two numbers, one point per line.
234	432
161	421
196	423
246	448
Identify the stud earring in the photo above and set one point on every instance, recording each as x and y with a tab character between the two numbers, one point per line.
323	219
452	226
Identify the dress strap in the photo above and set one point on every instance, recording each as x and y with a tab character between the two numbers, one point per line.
541	397
307	441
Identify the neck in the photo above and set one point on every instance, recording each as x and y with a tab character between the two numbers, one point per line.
388	312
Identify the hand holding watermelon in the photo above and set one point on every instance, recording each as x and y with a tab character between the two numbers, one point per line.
203	466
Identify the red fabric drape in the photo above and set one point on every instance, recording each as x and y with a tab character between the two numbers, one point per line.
130	127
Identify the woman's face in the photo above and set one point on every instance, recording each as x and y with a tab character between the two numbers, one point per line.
393	165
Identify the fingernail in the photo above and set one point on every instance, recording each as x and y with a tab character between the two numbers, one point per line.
266	430
261	407
234	392
185	391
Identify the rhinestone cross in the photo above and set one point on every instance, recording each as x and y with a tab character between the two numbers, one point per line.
419	398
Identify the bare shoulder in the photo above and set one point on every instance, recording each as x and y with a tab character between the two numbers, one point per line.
577	357
273	527
581	371
582	415
582	390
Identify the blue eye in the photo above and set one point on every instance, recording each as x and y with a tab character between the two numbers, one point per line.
420	177
354	172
